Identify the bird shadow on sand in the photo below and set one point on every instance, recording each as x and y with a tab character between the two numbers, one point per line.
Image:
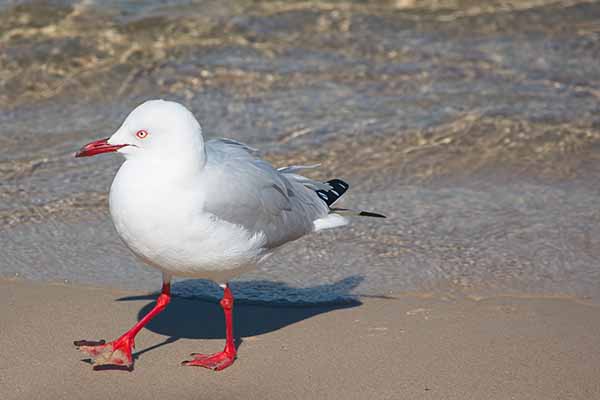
201	317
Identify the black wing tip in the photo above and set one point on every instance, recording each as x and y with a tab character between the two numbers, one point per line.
338	188
336	182
371	214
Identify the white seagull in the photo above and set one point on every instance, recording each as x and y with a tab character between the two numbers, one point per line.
203	209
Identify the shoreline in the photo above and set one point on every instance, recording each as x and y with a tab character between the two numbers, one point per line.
442	293
381	348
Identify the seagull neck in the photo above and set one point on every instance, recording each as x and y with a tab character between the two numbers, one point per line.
183	166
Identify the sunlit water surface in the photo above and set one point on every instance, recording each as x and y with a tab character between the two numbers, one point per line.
473	125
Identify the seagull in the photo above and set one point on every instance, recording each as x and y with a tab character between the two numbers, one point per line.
204	209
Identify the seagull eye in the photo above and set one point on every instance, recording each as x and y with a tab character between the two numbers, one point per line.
141	134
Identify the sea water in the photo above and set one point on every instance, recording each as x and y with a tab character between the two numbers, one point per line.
472	125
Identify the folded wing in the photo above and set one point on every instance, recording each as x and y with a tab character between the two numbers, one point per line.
248	191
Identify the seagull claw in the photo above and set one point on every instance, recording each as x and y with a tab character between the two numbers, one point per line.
216	362
102	355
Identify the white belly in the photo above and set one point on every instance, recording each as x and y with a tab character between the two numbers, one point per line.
165	226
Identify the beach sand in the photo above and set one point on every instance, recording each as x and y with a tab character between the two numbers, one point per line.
405	347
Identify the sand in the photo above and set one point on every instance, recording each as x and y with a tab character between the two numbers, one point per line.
405	347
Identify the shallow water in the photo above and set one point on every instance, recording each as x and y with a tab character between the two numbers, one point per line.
473	125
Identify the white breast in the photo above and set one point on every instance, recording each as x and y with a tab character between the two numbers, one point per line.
163	223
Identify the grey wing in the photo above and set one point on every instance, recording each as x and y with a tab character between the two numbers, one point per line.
247	191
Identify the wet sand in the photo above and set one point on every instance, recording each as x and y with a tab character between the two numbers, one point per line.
378	348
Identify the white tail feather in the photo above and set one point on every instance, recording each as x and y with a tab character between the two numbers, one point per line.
330	221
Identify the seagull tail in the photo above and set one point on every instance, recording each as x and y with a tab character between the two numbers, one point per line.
338	188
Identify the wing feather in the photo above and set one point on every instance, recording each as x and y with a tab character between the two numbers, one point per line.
248	191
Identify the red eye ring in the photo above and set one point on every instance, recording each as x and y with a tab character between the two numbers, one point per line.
141	134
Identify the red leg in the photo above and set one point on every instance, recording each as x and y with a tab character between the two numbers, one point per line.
225	358
118	352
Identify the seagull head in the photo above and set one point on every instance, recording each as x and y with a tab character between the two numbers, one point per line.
156	130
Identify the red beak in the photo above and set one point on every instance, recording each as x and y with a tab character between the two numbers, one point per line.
98	147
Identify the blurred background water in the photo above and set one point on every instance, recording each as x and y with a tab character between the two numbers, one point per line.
472	124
